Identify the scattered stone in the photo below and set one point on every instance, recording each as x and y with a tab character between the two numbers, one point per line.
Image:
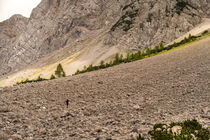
3	136
158	129
176	129
137	107
16	137
205	110
98	129
100	82
29	138
3	110
206	116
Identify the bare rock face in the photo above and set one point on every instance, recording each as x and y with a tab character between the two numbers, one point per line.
145	24
53	24
9	32
12	27
131	24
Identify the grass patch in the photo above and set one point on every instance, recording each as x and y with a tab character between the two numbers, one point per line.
187	130
160	48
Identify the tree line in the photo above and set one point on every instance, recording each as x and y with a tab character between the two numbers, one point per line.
59	72
119	58
138	55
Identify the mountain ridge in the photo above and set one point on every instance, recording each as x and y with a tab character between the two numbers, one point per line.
112	25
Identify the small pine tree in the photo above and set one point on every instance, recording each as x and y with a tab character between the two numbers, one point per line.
111	63
121	58
140	137
77	72
90	68
85	67
59	71
161	46
185	40
205	32
52	77
157	49
128	58
39	79
117	58
132	57
102	65
139	54
148	51
190	37
107	65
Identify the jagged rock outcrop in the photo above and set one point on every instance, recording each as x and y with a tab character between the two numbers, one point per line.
131	24
9	31
13	27
146	23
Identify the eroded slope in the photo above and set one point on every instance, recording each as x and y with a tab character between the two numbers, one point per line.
115	103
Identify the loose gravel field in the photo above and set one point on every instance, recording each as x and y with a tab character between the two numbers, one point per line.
114	103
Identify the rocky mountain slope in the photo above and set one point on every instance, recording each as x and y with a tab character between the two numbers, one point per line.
115	103
103	27
9	32
12	27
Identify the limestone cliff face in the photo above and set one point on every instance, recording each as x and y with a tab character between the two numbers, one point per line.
12	27
146	23
9	32
55	23
130	24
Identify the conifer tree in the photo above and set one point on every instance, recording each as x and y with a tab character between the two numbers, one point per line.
148	51
117	58
59	71
128	57
102	65
121	58
139	54
52	77
90	68
161	46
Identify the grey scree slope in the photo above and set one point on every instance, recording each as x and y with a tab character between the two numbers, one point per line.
118	102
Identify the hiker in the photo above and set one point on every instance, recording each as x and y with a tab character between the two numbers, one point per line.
67	103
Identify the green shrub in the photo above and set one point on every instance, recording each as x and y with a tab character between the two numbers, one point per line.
39	79
102	65
148	51
140	137
188	130
205	32
149	18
